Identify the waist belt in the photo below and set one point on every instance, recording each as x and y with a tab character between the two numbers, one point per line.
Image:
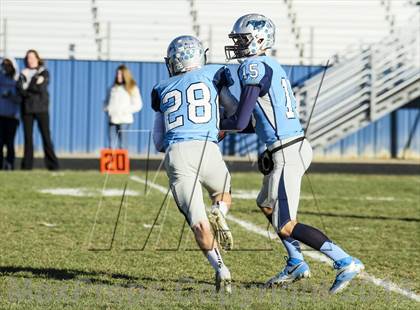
278	148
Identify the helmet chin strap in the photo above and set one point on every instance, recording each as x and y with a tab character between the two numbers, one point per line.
260	53
168	66
188	69
205	55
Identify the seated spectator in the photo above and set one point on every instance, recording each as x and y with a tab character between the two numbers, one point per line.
9	109
123	101
33	88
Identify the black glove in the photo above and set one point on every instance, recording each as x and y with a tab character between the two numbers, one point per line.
265	162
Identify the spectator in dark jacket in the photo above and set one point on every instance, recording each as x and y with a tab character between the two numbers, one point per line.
33	88
9	109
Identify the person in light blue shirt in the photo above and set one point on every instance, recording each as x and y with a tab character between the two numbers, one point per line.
267	100
275	112
186	129
189	104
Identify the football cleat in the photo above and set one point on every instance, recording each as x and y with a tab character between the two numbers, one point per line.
221	230
292	272
347	269
223	280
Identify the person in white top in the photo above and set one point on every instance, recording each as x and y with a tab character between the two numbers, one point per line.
123	101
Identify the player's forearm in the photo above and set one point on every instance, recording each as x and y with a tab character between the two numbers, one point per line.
249	129
240	120
159	132
228	102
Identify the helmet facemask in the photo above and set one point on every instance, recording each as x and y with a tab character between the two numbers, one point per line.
240	49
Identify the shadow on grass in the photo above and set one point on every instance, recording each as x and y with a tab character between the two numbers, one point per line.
96	277
363	217
355	216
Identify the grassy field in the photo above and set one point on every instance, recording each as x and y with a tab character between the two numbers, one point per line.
55	250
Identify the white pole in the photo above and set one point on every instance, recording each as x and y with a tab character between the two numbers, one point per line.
5	36
210	44
108	40
312	45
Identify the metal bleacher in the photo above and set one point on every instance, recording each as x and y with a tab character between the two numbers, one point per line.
142	30
308	31
215	19
326	28
92	29
57	29
361	89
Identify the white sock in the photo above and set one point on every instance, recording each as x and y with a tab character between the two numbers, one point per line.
222	206
215	259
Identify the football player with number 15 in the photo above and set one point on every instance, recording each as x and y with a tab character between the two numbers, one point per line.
267	96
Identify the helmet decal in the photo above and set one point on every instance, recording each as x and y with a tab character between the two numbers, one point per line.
257	24
185	53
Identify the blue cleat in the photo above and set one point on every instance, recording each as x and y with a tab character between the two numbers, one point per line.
347	269
293	271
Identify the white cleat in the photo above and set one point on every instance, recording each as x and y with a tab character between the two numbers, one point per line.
347	269
221	229
223	280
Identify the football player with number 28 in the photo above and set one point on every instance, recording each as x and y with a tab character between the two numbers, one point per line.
267	97
186	128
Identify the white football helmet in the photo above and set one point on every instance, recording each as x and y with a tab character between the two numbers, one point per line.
185	53
252	34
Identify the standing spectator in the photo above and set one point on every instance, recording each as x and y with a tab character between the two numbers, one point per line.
9	109
123	101
33	88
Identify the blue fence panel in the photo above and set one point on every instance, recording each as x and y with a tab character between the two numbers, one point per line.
78	91
408	143
366	142
374	141
383	137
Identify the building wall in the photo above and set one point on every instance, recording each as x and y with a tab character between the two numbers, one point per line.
78	91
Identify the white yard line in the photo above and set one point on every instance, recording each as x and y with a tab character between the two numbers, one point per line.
387	285
88	192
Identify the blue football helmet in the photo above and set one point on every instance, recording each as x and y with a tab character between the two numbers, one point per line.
185	53
252	34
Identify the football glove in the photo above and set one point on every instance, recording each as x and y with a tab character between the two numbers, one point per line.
221	230
265	162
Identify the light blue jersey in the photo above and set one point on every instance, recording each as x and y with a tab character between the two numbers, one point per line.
189	103
275	114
